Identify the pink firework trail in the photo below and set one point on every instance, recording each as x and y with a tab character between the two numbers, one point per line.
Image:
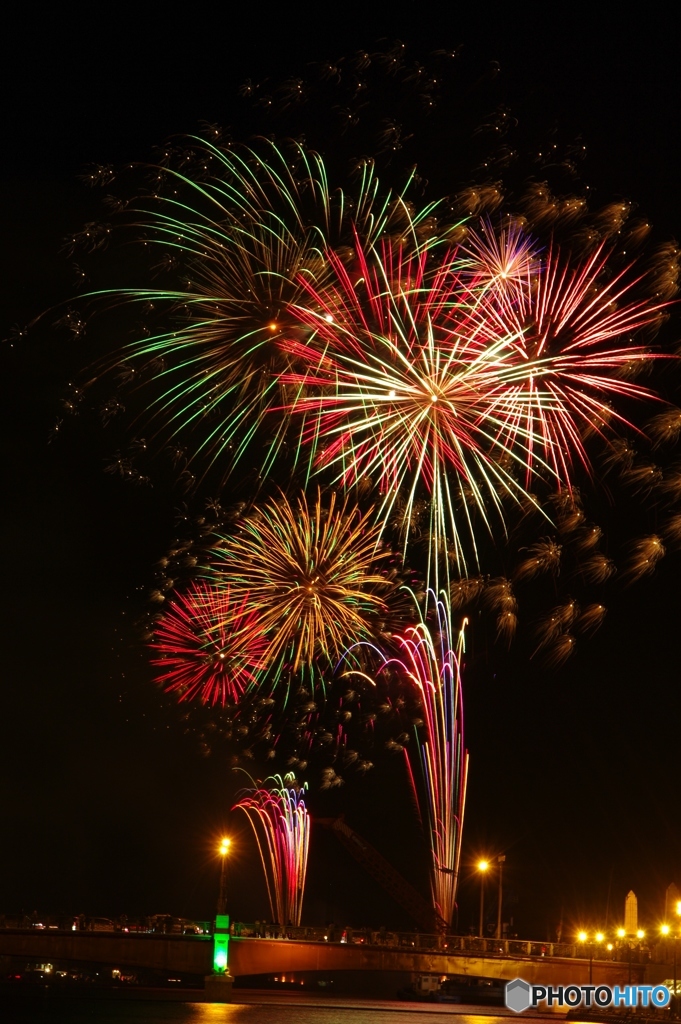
281	823
429	662
208	648
444	376
400	383
572	332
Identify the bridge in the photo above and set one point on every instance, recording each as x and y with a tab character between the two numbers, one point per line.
193	954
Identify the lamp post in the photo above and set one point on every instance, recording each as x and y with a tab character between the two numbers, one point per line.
218	985
222	896
622	935
676	933
221	933
597	938
501	860
483	865
640	934
664	932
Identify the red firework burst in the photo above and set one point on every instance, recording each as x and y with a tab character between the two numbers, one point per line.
574	333
442	373
403	380
207	647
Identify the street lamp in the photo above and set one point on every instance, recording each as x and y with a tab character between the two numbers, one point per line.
640	934
483	865
221	931
676	933
222	898
218	984
622	935
501	860
598	938
664	932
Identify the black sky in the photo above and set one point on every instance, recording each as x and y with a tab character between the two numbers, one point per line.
105	806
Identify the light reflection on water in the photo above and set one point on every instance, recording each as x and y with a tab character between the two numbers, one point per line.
345	1011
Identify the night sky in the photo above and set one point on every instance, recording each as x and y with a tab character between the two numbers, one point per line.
106	806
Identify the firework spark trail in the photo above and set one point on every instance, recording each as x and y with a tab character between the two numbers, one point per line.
573	329
429	662
248	230
208	646
312	575
406	386
448	375
281	823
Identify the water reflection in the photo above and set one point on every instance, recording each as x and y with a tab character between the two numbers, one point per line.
266	1011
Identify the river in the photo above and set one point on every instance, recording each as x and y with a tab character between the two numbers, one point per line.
259	1009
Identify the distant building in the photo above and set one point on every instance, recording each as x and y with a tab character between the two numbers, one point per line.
631	913
672	898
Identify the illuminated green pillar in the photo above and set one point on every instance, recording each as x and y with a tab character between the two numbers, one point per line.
221	945
218	985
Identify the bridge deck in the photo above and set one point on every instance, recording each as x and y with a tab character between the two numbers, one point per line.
193	954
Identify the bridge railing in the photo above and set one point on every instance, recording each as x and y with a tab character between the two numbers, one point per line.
620	951
466	944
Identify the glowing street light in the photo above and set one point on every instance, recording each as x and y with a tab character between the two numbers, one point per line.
597	939
501	860
223	850
640	934
221	932
483	865
678	912
666	929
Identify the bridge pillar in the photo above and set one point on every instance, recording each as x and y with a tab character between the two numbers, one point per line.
218	988
218	985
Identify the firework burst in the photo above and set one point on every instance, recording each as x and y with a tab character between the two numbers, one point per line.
208	647
448	377
574	332
313	575
405	388
246	232
279	818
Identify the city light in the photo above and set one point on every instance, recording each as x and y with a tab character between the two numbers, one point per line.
482	868
223	850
